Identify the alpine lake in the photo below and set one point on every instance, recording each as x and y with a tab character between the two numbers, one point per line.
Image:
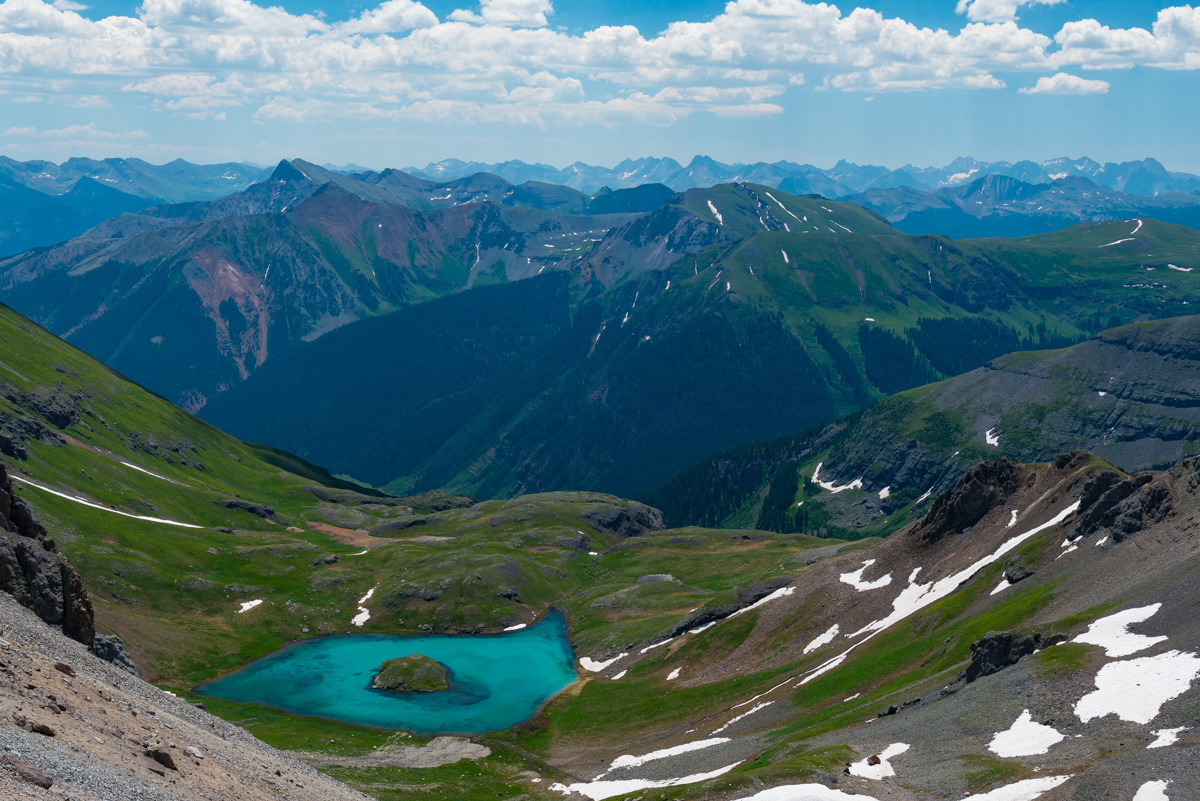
495	680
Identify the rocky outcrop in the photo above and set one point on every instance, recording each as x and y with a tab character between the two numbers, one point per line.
1124	505
999	649
412	674
980	490
33	572
257	509
628	520
110	648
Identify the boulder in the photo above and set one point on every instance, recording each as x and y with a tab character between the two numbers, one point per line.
412	674
999	649
111	649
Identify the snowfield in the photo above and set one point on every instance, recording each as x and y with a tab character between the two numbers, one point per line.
1025	738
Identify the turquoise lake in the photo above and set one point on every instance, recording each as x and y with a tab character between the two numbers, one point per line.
496	680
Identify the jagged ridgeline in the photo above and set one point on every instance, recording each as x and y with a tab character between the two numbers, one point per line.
1128	394
561	348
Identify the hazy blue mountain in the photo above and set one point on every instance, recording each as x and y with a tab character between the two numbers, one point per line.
29	218
997	205
175	182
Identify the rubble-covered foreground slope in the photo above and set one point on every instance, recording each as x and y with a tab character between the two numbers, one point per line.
858	677
75	727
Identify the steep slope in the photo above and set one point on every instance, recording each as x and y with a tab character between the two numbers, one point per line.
885	654
725	315
1128	394
997	205
194	308
122	738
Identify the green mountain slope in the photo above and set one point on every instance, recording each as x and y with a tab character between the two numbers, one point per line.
692	332
1128	394
756	658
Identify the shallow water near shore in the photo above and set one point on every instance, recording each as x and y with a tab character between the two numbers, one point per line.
496	680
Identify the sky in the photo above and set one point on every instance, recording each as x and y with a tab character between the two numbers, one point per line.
404	83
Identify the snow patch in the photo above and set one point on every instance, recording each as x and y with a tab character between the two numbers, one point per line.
1119	241
1001	587
517	627
1135	230
1103	540
991	438
1027	790
1025	738
884	768
594	666
630	761
1135	689
716	213
928	492
823	639
1180	269
248	605
829	485
599	790
1166	737
855	579
1112	633
803	792
869	319
1152	791
747	714
1012	522
674	674
886	491
364	614
1101	393
619	675
785	209
94	505
659	644
779	593
785	256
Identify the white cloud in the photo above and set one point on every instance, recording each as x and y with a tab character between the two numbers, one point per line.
518	13
997	10
501	61
1064	84
87	132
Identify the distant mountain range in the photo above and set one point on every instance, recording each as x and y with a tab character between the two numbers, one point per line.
1147	177
42	203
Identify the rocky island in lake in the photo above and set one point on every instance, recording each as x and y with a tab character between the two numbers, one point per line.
412	674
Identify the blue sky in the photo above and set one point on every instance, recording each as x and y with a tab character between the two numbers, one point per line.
401	83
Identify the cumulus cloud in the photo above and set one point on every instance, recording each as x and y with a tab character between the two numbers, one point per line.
518	13
502	61
1064	84
997	10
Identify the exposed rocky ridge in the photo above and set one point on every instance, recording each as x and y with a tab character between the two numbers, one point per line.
978	492
33	572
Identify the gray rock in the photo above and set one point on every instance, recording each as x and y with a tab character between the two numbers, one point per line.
33	572
257	509
999	649
110	648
